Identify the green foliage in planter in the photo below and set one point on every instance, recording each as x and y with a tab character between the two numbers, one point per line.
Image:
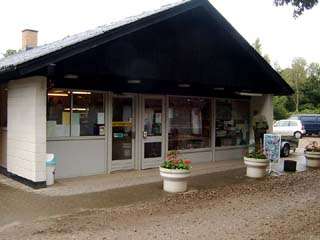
257	154
173	162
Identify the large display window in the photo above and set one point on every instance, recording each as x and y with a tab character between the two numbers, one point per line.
232	122
75	113
189	123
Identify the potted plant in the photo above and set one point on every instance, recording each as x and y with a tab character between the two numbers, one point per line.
175	173
257	163
312	154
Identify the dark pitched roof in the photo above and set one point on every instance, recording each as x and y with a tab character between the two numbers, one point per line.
27	62
12	61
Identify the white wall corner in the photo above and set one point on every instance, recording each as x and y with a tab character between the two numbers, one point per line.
26	133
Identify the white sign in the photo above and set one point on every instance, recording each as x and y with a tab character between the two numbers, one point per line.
272	146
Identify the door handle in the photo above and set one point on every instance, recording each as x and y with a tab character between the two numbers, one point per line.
145	134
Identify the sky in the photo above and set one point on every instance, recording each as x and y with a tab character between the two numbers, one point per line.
283	37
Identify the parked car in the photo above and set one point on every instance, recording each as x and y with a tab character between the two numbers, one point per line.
288	144
311	122
289	127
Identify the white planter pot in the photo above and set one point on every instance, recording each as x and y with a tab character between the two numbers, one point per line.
174	180
313	159
256	168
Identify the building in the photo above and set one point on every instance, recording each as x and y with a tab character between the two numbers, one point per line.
120	96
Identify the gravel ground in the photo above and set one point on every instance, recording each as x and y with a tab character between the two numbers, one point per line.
285	207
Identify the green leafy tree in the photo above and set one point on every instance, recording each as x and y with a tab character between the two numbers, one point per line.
313	70
280	109
298	78
257	45
277	67
299	5
310	103
9	52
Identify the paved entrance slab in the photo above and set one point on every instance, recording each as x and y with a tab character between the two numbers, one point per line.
19	203
121	179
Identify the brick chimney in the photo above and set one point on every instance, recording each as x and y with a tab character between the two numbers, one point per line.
29	39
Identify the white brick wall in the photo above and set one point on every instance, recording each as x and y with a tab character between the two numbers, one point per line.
26	136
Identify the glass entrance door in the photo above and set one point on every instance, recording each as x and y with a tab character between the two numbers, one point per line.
123	133
153	131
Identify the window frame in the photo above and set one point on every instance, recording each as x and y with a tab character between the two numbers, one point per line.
220	148
284	121
212	124
293	123
74	138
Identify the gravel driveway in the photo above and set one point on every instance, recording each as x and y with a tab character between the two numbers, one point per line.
285	207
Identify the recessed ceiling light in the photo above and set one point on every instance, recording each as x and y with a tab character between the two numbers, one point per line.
71	76
219	89
134	81
184	85
249	94
58	94
84	93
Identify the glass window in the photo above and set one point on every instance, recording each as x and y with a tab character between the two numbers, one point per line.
58	113
87	117
284	123
122	126
84	118
232	122
152	149
189	123
3	105
293	123
153	117
308	118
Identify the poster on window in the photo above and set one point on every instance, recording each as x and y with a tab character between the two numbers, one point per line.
272	146
196	121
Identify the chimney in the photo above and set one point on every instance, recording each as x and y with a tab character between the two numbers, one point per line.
29	39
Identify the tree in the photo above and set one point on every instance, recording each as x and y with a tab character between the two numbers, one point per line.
280	109
299	5
9	52
305	80
257	45
277	67
313	70
298	77
310	103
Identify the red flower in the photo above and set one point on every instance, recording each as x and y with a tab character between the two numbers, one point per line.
187	161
